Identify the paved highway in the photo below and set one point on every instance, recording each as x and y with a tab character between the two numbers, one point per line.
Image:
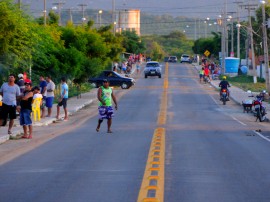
202	151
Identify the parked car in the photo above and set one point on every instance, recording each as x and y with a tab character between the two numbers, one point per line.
172	59
114	78
185	58
166	59
152	68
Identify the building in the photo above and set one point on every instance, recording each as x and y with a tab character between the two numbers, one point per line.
128	20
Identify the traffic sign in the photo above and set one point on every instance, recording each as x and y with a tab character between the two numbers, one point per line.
206	53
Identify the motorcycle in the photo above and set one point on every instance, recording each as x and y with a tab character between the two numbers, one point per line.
259	109
224	95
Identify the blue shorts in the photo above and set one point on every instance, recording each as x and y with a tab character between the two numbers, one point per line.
105	112
49	102
25	117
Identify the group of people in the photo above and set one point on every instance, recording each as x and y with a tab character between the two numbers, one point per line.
209	71
125	67
20	96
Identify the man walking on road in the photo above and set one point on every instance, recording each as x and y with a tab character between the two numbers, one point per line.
10	92
50	95
63	99
105	96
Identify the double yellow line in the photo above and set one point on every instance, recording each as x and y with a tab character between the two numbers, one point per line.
152	187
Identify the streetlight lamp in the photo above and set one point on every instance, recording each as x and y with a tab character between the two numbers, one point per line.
100	12
238	39
206	24
265	47
83	15
114	28
58	6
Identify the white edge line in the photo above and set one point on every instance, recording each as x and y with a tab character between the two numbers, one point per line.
214	100
261	136
238	121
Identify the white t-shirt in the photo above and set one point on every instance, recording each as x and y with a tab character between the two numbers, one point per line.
37	95
50	86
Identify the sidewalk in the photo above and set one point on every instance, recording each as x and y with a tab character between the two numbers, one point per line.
73	105
238	95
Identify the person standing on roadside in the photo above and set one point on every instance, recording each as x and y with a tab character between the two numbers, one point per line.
50	95
10	93
43	91
105	96
26	110
138	67
201	73
20	83
63	99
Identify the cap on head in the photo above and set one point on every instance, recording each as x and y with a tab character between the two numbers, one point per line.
105	81
224	77
20	75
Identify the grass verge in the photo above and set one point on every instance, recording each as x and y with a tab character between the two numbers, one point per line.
246	83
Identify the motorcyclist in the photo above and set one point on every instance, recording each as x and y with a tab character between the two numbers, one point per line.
224	84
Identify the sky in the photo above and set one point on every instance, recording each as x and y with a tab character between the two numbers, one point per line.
188	8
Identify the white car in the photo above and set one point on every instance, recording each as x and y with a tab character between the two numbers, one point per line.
152	68
185	58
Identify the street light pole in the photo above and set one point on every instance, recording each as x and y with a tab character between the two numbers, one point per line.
252	49
44	12
238	28
265	47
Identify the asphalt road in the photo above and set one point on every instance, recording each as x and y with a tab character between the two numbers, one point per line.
212	153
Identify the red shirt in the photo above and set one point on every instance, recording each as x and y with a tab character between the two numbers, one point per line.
206	72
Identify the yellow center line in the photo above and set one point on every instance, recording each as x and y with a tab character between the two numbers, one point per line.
152	187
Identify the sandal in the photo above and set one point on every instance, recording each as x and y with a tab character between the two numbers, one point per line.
30	137
109	131
25	136
9	132
97	129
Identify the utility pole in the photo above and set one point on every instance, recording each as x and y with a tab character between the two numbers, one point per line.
250	7
70	15
20	4
232	32
238	29
59	5
113	11
44	12
265	47
223	39
83	9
